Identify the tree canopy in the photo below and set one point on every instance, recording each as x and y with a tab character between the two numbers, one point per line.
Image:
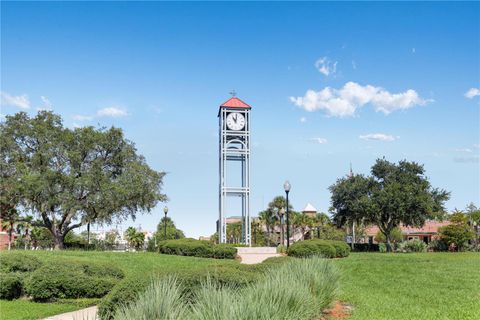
394	194
70	177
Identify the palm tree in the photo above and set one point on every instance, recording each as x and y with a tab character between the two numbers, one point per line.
138	240
268	217
255	226
320	221
304	222
9	219
130	235
234	232
23	228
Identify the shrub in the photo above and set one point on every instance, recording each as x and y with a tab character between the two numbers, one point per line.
414	245
197	248
102	270
57	280
10	286
342	249
309	248
382	247
301	289
396	236
19	262
457	234
365	247
224	251
122	294
437	246
281	248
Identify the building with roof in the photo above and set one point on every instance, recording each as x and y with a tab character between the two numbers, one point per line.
427	233
310	210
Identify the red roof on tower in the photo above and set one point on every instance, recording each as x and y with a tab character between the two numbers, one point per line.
235	103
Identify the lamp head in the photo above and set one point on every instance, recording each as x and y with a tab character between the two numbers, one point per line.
287	186
165	209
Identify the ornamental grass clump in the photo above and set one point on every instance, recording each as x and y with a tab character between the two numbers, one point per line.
296	289
161	300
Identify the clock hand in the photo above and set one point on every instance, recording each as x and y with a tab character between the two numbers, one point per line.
235	118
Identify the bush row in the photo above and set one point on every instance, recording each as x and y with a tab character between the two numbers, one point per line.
55	280
315	247
25	274
18	262
197	248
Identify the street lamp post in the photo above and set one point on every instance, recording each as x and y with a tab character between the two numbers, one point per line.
165	210
287	187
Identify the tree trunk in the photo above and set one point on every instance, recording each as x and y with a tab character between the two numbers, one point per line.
268	235
389	243
59	241
88	234
10	234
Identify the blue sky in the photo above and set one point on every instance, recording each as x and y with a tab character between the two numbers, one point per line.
330	84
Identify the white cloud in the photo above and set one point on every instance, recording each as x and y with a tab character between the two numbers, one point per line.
47	105
345	101
473	159
325	66
468	150
319	140
473	92
303	119
113	112
79	117
377	136
21	102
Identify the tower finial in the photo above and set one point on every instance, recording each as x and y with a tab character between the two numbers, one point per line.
233	93
351	171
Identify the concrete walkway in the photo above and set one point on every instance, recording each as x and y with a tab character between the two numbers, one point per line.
256	255
82	314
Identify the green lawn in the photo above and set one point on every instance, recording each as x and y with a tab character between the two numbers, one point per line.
412	286
379	286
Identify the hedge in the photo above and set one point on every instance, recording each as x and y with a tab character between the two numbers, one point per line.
366	247
10	285
342	249
197	248
75	280
315	247
19	262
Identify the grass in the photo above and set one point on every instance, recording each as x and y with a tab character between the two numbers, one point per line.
379	286
411	286
130	263
299	289
24	309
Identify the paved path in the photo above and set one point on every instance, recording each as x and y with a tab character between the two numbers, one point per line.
255	255
82	314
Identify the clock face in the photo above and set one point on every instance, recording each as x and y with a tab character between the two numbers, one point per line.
235	121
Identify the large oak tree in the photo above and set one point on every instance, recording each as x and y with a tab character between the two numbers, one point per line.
394	194
71	177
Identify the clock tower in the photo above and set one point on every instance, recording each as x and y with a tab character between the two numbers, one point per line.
234	166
